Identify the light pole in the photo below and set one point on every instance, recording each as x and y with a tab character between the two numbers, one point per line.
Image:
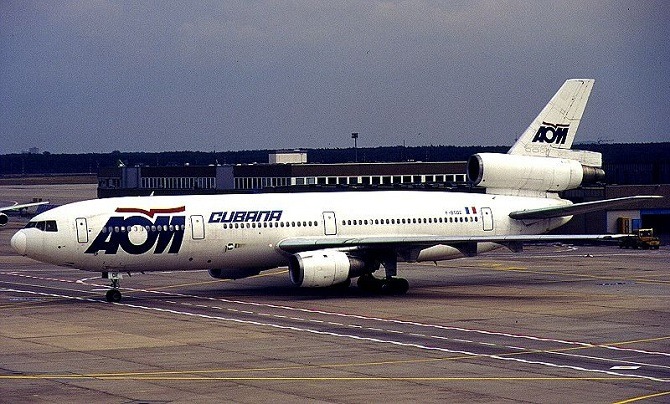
355	137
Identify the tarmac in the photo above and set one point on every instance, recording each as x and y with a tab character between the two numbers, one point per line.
554	323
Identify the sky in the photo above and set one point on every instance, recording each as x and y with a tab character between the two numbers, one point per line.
98	76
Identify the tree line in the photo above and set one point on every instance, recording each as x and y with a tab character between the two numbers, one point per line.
51	163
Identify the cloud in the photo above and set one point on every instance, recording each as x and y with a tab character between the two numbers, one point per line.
275	74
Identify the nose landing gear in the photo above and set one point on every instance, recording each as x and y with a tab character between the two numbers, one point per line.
114	294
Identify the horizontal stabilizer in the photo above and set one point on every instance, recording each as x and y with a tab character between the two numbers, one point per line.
581	208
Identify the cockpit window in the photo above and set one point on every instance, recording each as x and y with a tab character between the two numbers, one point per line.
44	225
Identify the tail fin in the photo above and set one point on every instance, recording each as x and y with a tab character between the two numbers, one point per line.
552	132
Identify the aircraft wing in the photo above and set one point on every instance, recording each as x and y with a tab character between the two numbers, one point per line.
580	208
464	243
21	206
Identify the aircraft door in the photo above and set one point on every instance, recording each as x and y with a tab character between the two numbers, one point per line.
198	227
487	219
82	230
329	224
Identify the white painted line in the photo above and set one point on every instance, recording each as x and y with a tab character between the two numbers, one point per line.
350	336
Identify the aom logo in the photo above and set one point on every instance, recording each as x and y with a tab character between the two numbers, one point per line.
138	234
551	133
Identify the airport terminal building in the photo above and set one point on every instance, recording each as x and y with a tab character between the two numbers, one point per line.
283	172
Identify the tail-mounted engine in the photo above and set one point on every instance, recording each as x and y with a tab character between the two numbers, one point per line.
505	171
324	268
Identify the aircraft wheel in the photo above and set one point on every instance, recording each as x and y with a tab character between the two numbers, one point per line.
369	284
113	296
395	286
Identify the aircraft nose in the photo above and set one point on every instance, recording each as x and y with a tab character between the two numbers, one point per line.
18	242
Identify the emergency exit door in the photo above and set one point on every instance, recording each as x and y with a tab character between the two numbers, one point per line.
198	227
82	230
487	219
329	224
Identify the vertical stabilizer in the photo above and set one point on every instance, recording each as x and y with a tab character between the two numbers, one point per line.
553	130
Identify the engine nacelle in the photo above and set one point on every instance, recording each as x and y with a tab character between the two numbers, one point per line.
3	219
505	171
324	268
233	273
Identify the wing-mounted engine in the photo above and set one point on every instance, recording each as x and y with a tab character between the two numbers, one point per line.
529	173
3	219
324	268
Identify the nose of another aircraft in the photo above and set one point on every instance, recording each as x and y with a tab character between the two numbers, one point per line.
18	242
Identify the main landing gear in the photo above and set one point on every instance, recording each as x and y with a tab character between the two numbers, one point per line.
390	285
114	294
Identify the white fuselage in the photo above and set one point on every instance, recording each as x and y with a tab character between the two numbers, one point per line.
241	232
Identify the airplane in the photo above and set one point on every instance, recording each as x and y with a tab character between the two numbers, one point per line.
4	219
326	239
